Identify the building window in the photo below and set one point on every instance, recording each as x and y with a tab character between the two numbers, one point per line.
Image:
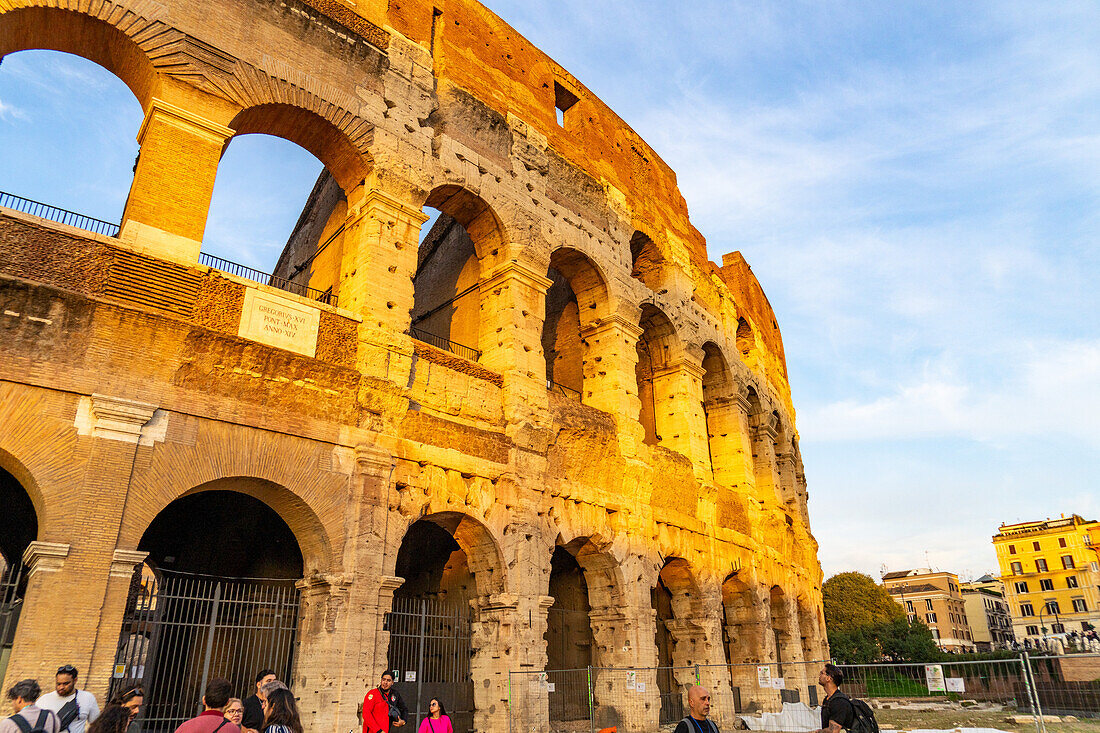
1017	568
1021	586
935	633
1095	567
1026	609
909	606
912	618
1061	541
930	618
1067	561
1052	607
1040	565
1012	549
928	604
1079	605
1071	581
1032	630
1046	584
563	102
1058	628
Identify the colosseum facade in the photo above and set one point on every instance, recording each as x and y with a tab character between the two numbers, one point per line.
542	422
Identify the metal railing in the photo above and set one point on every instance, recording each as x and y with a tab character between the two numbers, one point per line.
552	386
57	214
264	278
439	342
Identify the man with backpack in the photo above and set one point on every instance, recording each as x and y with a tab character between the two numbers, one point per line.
212	718
75	708
28	718
840	712
697	720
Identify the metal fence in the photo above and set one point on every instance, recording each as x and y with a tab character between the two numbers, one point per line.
264	278
57	214
439	342
1022	693
181	630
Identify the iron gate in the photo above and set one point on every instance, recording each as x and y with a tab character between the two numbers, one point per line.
12	585
571	700
430	656
181	630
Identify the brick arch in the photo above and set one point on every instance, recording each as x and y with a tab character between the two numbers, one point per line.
477	217
108	38
313	540
347	162
482	550
25	533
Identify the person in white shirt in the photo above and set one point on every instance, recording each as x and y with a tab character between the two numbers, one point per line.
76	709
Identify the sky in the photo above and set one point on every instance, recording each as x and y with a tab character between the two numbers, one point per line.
914	184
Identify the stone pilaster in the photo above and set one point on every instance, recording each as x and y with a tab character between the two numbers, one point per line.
610	379
166	211
678	413
764	463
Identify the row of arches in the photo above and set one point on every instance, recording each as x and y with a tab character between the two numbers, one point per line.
217	544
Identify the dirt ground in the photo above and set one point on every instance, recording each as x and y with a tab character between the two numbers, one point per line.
964	718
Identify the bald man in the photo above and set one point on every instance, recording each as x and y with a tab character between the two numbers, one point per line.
698	710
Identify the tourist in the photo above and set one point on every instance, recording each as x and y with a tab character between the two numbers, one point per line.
23	696
437	720
113	719
383	708
698	712
212	718
281	712
837	712
131	699
75	708
253	718
234	711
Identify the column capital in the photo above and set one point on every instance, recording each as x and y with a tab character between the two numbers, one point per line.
124	561
387	584
45	557
685	365
113	418
613	322
189	121
378	199
369	458
516	270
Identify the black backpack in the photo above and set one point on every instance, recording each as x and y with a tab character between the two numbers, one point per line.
39	726
863	718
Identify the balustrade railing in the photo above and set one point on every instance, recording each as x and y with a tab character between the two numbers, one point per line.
57	214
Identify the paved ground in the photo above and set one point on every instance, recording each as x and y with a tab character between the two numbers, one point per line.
963	718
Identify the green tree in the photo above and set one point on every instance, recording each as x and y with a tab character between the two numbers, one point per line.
902	641
855	601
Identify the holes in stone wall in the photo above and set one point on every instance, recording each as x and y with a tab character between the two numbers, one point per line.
563	102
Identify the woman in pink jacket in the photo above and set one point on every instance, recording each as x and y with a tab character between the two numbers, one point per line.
437	720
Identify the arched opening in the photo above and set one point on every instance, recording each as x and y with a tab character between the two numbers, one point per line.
68	129
280	203
676	602
746	341
216	597
569	640
447	561
451	260
741	639
722	422
18	528
786	653
575	301
655	349
646	262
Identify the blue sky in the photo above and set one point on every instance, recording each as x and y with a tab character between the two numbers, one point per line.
915	184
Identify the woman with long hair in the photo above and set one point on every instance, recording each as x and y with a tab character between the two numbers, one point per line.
437	720
281	713
113	719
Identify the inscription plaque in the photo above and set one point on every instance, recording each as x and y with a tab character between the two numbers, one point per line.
279	322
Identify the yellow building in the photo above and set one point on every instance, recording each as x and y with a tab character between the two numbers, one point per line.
1051	574
933	597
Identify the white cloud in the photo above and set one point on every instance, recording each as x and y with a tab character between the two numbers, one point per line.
1054	390
11	112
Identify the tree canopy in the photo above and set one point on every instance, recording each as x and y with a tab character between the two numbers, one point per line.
855	601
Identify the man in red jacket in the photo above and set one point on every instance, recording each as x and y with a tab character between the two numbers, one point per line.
376	707
212	719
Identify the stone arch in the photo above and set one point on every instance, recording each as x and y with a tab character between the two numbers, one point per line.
98	39
576	300
19	473
647	264
742	617
657	347
346	162
476	541
746	340
300	517
787	650
720	414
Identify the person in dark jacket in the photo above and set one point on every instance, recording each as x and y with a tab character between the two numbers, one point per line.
837	713
253	710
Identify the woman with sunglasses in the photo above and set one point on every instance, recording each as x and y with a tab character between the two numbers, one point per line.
122	708
437	720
